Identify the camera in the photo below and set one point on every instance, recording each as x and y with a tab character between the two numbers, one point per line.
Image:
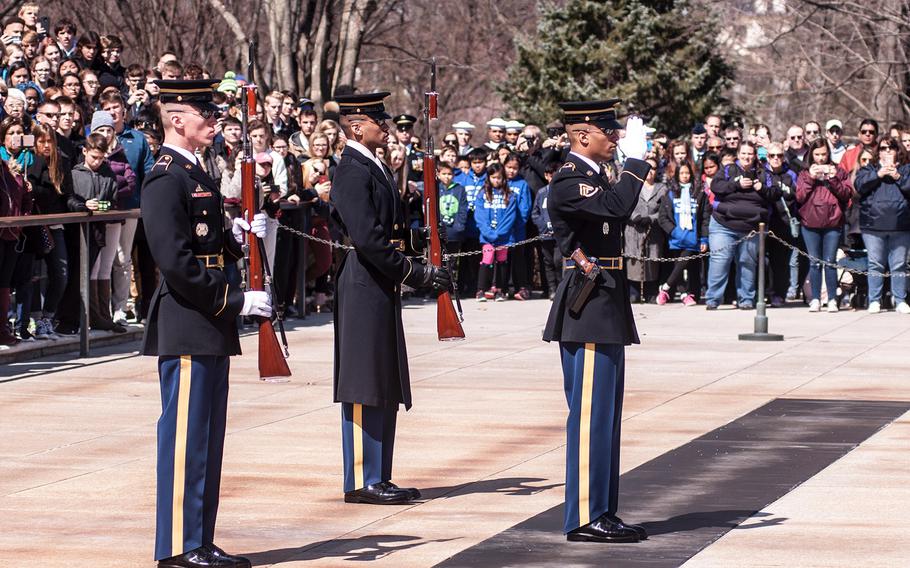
554	132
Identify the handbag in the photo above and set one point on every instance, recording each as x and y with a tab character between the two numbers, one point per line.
793	221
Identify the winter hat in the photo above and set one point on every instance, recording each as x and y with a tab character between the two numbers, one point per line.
101	118
229	83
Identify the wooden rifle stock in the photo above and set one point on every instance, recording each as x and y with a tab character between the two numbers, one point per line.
448	322
272	362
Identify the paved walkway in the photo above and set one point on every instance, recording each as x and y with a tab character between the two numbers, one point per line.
484	442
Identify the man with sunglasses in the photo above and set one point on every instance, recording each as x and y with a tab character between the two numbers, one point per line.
192	325
591	316
868	137
796	149
371	362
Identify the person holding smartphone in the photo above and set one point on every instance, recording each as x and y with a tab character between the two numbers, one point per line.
823	193
884	217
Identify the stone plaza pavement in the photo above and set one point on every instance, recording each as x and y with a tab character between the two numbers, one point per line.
484	442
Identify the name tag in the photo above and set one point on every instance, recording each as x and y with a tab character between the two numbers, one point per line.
202	194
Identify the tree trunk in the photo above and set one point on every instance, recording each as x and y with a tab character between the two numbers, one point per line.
350	38
319	54
280	16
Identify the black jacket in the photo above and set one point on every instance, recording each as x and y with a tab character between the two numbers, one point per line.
371	361
588	213
740	209
884	203
194	309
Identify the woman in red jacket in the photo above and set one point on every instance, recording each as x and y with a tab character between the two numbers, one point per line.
822	192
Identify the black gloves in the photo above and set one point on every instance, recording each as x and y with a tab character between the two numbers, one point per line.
641	222
420	238
436	278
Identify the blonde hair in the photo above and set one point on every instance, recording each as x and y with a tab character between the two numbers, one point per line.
307	169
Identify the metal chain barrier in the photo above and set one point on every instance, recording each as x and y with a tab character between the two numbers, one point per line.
834	264
500	247
326	242
707	253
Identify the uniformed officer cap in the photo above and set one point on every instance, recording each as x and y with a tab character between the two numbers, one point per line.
186	91
404	121
369	104
599	113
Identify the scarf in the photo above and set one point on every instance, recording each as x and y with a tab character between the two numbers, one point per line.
685	207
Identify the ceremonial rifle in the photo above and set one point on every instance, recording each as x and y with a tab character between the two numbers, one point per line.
448	321
272	361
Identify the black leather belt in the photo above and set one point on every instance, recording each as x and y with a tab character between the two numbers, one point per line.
212	260
609	263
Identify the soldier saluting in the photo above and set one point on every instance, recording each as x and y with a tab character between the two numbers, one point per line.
192	326
591	316
371	362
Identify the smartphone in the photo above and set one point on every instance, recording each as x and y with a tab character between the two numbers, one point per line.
887	160
322	179
24	140
46	24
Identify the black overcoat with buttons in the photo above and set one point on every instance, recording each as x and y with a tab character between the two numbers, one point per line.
194	309
371	361
588	212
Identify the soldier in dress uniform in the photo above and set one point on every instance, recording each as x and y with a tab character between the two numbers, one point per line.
371	363
404	133
192	325
591	316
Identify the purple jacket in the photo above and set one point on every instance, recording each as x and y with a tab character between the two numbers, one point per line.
124	174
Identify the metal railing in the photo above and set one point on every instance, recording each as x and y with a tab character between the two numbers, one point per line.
83	219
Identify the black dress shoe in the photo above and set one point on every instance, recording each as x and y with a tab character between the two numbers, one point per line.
227	560
640	530
196	558
603	529
413	493
378	494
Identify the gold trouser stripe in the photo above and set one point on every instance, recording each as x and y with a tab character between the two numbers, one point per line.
183	414
358	446
584	435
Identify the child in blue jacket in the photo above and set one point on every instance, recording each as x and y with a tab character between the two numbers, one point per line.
684	215
521	192
496	212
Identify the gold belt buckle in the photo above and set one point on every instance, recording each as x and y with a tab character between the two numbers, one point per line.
212	260
398	244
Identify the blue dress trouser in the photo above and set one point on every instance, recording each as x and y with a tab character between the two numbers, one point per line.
367	442
194	392
593	377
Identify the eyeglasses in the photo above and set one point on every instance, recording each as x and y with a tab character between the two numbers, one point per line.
203	113
800	137
886	148
867	132
812	132
718	147
775	156
731	138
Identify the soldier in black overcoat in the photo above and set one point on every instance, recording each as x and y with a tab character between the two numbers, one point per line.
192	326
591	316
371	363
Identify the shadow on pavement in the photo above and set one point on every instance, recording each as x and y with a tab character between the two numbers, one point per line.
364	549
517	486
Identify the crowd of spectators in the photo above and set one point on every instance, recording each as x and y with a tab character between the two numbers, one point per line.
79	131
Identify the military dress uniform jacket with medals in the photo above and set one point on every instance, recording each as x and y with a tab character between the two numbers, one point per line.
193	310
371	366
588	213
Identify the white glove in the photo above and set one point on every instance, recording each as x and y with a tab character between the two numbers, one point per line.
634	144
256	303
258	227
239	227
